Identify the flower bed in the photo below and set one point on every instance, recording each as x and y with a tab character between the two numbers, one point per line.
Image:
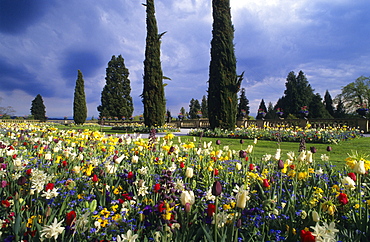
85	186
140	128
290	134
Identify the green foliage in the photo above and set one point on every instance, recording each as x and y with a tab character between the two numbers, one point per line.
182	111
38	108
298	93
328	102
194	107
261	110
224	84
116	100
243	106
79	101
153	92
271	113
340	111
204	107
317	108
356	93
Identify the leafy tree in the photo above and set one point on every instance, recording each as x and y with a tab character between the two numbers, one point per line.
38	108
79	101
261	109
153	92
204	107
223	82
356	93
194	107
116	100
243	106
328	102
6	111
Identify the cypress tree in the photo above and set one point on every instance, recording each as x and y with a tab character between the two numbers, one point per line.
298	93
243	106
194	107
328	102
38	108
116	100
182	112
340	111
317	108
271	113
204	107
153	91
79	101
261	109
223	83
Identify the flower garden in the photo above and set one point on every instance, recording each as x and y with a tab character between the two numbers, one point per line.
285	133
66	185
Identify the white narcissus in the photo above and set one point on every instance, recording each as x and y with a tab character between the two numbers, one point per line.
53	230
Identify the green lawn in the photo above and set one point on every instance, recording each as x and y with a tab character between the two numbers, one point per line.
337	155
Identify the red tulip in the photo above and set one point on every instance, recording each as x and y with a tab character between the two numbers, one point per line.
29	172
70	218
5	203
342	198
215	172
265	183
211	209
352	176
306	236
130	175
95	178
251	167
157	187
49	186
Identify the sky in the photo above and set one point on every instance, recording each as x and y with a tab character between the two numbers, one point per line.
44	42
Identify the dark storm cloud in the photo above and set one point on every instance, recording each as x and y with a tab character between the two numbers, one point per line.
17	15
16	77
88	61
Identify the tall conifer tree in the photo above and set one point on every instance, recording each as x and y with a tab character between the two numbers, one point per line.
204	107
38	108
298	93
153	92
116	100
79	100
261	108
328	102
194	107
243	106
223	83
